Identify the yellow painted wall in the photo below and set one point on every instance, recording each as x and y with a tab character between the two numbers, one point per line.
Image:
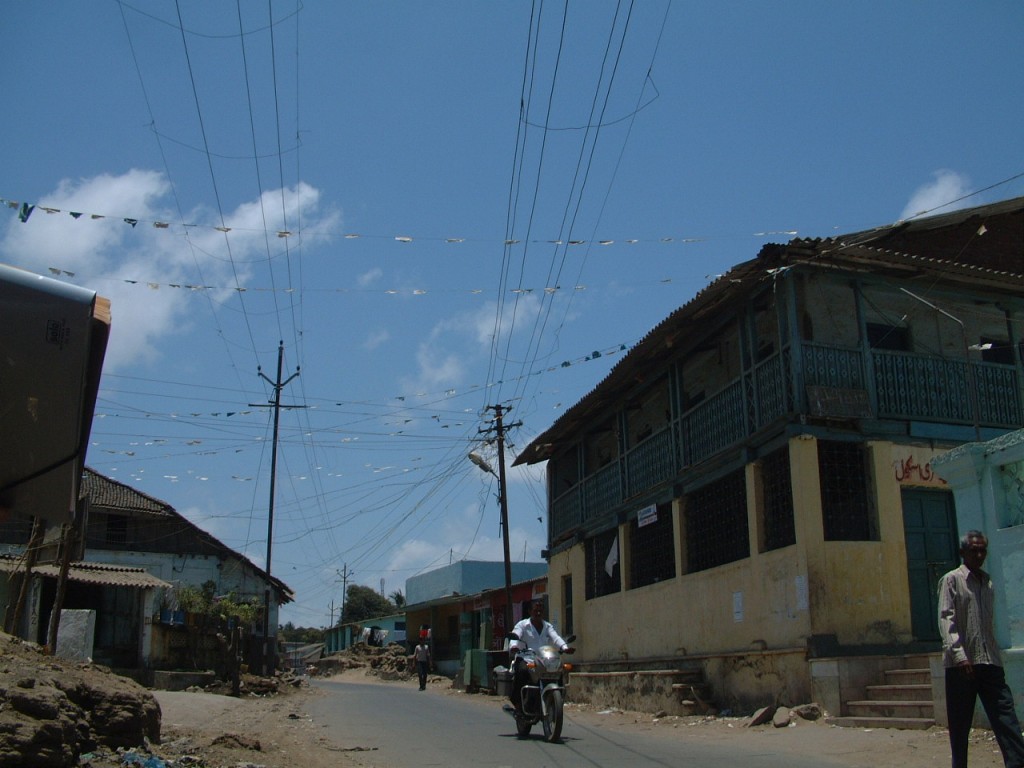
857	591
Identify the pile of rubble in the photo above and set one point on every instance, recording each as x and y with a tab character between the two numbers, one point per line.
254	685
52	710
390	662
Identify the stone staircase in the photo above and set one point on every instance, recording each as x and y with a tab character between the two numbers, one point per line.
902	700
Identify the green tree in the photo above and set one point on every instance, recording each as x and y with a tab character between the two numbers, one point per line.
289	633
398	599
363	603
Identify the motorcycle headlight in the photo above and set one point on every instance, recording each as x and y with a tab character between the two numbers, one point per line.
551	665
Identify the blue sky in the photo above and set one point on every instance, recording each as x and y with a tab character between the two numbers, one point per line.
391	189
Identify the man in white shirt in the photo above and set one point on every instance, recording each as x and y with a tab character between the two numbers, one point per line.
974	668
533	632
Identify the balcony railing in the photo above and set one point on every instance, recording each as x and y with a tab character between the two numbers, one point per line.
771	393
907	386
832	366
602	491
714	424
926	388
650	462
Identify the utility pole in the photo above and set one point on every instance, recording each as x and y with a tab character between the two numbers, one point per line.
345	574
500	428
278	385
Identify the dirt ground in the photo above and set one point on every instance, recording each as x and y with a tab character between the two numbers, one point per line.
276	732
269	725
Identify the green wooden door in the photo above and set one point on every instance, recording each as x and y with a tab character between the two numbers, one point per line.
929	527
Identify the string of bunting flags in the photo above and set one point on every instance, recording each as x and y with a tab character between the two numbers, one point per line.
25	210
155	286
446	394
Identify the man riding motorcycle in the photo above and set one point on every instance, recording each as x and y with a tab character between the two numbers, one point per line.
532	632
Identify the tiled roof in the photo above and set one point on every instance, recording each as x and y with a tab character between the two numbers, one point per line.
106	492
111	494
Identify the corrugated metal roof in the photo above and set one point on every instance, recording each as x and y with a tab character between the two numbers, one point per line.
91	573
983	246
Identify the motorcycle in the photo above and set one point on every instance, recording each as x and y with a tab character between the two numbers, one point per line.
543	695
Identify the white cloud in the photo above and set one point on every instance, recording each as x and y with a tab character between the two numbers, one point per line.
376	338
516	316
368	278
945	188
465	536
437	369
136	266
455	342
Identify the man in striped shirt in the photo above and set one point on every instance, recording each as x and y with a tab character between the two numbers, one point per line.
974	668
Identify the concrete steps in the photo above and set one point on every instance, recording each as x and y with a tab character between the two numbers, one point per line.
903	700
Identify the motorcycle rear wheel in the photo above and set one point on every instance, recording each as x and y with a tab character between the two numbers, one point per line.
552	720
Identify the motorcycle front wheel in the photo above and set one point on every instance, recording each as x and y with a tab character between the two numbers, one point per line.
552	720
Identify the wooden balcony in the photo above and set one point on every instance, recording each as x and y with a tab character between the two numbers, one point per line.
897	386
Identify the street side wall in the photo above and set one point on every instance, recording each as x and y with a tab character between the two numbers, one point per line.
751	622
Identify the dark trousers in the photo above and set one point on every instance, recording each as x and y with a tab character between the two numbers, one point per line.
421	669
520	677
988	684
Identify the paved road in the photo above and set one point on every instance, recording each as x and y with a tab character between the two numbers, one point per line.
401	727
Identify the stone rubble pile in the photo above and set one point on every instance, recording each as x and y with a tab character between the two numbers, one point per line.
52	710
390	662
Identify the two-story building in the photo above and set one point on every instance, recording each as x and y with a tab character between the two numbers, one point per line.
749	492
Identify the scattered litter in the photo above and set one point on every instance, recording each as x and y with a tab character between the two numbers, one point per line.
145	761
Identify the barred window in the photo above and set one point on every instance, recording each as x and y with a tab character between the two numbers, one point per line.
603	564
652	547
716	523
776	483
117	529
846	508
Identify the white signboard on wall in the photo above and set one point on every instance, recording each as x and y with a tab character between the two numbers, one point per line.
737	606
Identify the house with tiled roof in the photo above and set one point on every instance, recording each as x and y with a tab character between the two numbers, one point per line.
749	495
131	535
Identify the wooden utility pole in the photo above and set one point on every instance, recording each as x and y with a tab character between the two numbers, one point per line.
66	536
269	657
35	541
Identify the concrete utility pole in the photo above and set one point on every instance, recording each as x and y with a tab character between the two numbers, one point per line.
500	428
345	574
268	654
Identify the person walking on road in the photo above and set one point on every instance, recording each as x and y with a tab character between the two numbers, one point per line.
424	662
974	668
